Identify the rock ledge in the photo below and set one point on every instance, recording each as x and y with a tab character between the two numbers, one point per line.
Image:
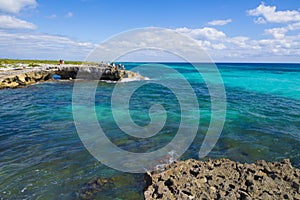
15	78
224	179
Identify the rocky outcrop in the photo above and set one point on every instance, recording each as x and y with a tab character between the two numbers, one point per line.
224	179
23	77
105	72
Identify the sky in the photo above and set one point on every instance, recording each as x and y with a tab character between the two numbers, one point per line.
228	30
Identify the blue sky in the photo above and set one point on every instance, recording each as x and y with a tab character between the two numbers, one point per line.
228	30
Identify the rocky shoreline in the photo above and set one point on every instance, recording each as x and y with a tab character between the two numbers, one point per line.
23	76
224	179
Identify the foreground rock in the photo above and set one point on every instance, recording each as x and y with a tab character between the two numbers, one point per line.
21	77
224	179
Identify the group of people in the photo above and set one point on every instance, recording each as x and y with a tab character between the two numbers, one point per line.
118	66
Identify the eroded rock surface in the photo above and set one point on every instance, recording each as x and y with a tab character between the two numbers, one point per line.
224	179
22	77
94	72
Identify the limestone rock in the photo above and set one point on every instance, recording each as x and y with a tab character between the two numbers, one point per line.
224	179
21	78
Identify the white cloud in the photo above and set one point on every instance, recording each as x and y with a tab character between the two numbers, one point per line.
277	32
270	14
240	42
260	20
220	22
204	44
279	48
155	39
14	6
280	32
69	15
294	26
219	46
42	46
9	22
203	33
281	44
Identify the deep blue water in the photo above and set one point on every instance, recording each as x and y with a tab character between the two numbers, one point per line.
42	156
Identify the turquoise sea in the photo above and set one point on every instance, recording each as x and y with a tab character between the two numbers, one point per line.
42	156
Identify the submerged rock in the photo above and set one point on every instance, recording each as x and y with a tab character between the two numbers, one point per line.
95	187
224	179
89	190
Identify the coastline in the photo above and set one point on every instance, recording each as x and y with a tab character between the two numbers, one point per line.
209	179
23	75
51	119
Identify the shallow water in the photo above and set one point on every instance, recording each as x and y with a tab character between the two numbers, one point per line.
42	156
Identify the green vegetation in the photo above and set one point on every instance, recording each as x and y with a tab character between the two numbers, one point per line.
34	63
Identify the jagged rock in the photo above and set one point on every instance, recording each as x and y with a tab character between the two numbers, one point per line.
224	179
23	79
20	78
94	72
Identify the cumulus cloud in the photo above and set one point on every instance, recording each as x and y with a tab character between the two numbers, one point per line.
15	6
280	44
220	22
280	32
158	40
278	48
260	20
269	14
9	22
219	46
202	33
293	26
42	46
277	32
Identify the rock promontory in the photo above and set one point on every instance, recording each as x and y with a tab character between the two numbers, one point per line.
20	77
224	179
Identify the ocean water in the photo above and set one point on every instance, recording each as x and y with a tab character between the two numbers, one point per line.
42	156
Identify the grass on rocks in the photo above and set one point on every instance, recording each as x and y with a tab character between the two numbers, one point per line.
35	63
